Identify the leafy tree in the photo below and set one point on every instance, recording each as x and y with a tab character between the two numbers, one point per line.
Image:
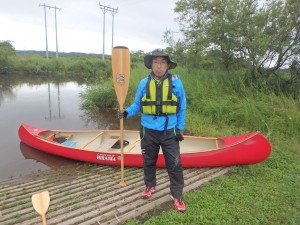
177	49
267	36
136	57
292	85
6	51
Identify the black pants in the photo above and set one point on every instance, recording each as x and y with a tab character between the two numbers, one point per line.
151	142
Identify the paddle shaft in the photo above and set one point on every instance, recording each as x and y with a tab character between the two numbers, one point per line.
44	219
122	182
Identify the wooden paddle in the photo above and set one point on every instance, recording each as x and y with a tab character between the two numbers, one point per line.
40	202
121	76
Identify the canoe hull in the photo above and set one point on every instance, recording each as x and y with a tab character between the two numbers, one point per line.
245	149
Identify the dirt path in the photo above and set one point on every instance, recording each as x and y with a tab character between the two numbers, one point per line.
90	194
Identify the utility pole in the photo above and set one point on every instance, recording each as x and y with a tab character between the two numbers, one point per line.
45	29
104	10
55	8
113	12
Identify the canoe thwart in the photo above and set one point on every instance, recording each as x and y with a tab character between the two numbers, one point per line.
91	140
133	145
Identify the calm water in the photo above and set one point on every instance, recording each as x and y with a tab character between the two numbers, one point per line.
46	104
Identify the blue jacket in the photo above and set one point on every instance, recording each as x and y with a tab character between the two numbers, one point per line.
158	122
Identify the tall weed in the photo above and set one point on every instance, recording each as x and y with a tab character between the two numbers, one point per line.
224	99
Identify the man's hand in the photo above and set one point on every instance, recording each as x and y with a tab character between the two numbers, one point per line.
122	114
179	135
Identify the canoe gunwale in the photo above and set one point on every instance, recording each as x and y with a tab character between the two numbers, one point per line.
101	132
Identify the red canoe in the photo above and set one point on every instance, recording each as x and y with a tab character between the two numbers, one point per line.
103	147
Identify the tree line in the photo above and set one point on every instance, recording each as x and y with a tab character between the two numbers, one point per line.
263	39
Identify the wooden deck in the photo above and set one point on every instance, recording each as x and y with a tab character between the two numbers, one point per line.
91	196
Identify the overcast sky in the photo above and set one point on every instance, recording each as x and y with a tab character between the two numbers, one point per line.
139	24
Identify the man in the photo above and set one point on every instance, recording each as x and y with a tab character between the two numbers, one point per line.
160	98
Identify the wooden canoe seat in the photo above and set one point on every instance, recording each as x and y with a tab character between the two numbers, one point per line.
107	144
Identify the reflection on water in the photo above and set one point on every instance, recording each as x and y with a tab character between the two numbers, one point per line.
58	102
6	92
47	104
51	161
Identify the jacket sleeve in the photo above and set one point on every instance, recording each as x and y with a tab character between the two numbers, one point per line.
181	114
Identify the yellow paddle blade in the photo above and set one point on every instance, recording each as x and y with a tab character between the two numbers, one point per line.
121	72
41	201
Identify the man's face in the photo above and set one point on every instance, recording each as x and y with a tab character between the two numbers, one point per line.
160	66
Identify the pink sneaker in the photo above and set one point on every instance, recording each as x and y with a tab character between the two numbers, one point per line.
147	193
178	204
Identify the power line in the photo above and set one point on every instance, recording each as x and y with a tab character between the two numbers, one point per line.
113	12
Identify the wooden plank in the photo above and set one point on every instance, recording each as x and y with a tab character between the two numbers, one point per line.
217	144
133	145
129	211
93	139
112	205
107	144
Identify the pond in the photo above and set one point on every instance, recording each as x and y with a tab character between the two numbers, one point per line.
46	104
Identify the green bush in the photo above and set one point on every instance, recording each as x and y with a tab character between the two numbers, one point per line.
7	54
100	96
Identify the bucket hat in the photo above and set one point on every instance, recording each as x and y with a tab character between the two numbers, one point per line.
158	53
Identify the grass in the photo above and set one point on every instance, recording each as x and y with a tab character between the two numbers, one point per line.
220	104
